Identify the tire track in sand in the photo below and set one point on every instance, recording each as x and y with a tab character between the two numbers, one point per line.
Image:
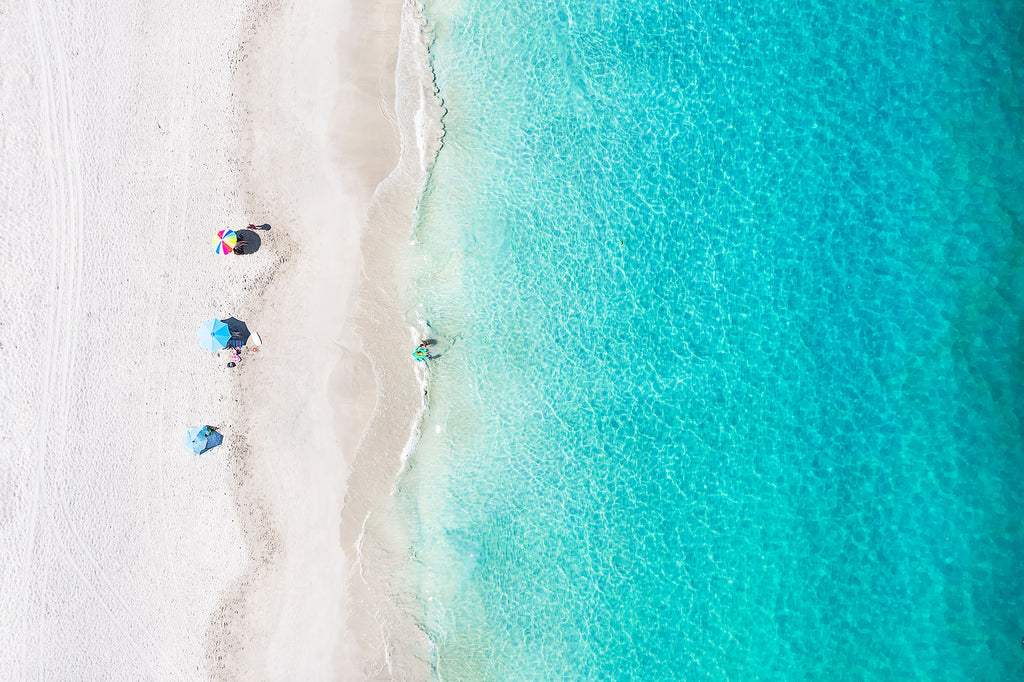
54	301
67	222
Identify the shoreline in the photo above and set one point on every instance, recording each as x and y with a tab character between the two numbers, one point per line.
333	399
372	527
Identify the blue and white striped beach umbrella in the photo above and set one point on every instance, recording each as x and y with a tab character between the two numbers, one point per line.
199	439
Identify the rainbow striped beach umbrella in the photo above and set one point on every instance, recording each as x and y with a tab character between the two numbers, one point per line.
225	242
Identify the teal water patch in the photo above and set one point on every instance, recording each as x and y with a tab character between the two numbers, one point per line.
736	300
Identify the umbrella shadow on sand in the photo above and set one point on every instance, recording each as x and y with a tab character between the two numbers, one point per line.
248	242
239	330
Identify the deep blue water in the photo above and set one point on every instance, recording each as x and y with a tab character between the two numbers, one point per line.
735	294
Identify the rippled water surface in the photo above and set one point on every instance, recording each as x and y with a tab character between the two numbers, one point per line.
736	384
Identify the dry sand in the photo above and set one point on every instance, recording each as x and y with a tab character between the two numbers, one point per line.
128	138
115	541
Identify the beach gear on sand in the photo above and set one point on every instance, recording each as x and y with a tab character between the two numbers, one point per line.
225	242
199	439
213	335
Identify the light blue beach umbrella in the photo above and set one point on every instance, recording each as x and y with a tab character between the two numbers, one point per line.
213	335
199	439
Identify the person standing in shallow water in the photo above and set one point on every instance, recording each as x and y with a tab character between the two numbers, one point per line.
421	353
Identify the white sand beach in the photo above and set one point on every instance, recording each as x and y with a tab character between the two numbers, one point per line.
130	135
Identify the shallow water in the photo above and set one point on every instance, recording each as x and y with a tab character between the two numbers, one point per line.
736	300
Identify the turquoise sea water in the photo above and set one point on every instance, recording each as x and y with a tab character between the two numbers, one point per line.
736	295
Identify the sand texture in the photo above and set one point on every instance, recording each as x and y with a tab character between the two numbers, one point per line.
129	137
116	541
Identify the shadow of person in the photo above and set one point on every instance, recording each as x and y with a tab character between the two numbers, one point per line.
264	226
248	242
239	330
